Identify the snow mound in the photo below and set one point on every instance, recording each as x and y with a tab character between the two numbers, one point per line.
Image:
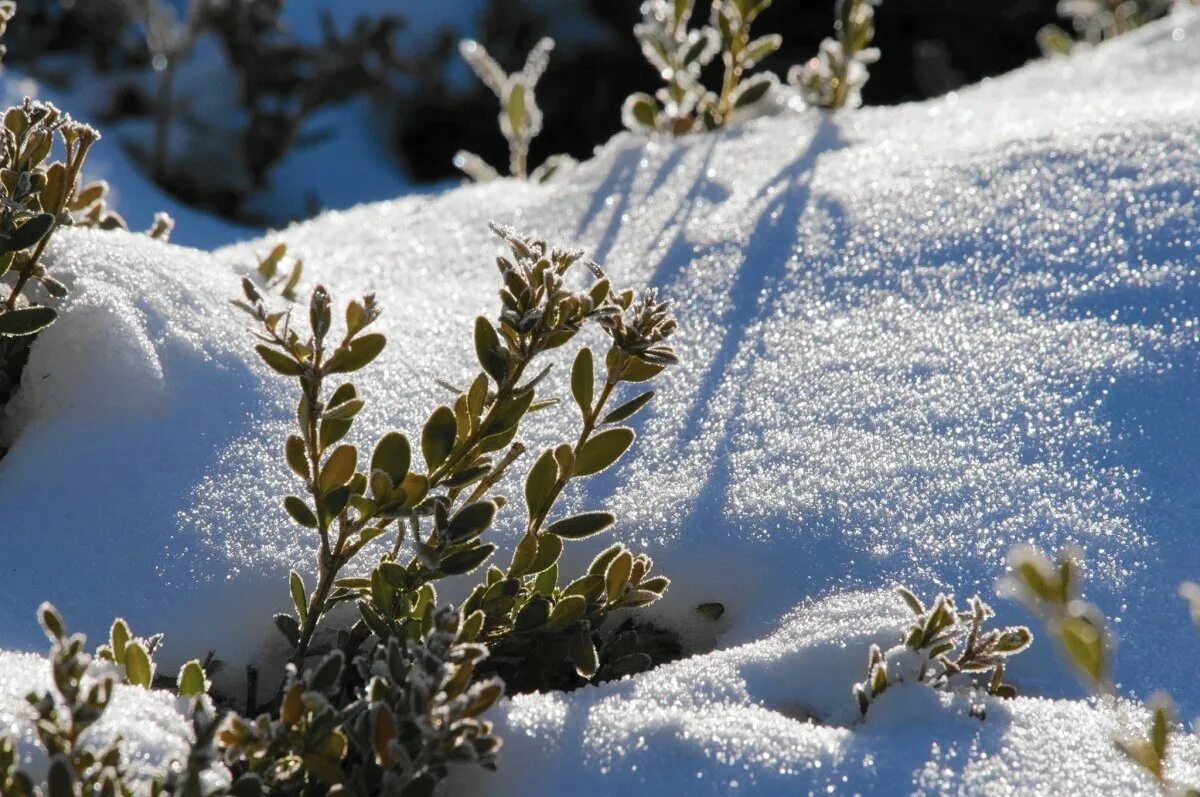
911	337
740	721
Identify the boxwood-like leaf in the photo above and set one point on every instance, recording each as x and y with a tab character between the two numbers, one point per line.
470	521
300	512
488	351
26	321
278	361
358	354
602	450
393	456
578	527
628	408
437	438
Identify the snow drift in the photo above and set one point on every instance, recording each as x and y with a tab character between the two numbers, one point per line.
911	337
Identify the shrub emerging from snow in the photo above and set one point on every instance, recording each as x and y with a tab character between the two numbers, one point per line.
520	117
393	723
63	715
944	648
449	504
279	273
1051	590
835	76
679	53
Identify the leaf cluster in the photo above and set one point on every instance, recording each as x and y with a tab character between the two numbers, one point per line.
61	717
679	53
520	118
945	649
436	516
835	76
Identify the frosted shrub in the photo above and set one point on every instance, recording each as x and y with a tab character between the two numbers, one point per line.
679	53
82	689
835	76
393	723
520	118
945	649
437	515
1051	590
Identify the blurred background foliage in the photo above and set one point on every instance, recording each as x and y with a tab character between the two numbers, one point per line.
272	67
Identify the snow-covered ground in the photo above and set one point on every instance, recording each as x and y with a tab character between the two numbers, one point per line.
911	337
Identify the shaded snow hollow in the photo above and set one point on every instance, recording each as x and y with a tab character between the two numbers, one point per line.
911	337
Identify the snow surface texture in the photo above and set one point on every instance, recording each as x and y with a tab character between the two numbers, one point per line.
911	337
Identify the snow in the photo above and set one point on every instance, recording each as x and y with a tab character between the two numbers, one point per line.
911	337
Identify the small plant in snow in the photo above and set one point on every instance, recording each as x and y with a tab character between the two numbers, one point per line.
278	274
1051	590
391	724
835	76
520	117
684	105
541	634
81	693
944	648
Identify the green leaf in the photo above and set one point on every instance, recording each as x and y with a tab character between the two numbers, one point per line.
603	450
583	654
523	555
628	408
549	549
138	670
296	586
752	91
617	575
540	483
568	610
51	621
533	615
359	353
60	778
582	380
118	637
328	673
28	234
26	321
288	626
437	438
297	456
640	109
338	468
191	681
578	527
393	456
278	361
465	561
599	565
470	521
488	350
516	106
1085	644
299	511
